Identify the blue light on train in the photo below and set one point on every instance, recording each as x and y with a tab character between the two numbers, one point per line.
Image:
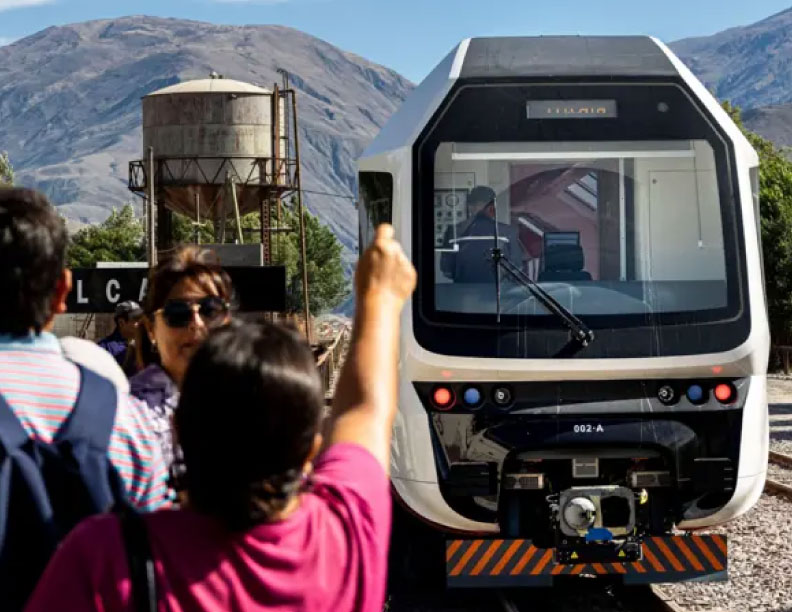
472	396
695	393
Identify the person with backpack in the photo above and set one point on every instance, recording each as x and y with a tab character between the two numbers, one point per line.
71	444
282	513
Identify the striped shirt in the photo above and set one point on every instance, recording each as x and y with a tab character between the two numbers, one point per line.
41	386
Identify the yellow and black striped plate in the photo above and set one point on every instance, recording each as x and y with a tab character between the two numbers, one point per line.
498	563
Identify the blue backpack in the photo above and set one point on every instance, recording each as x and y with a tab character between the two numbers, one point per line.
46	489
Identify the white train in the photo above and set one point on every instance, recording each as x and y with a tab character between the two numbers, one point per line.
584	360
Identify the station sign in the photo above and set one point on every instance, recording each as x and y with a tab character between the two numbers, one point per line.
99	290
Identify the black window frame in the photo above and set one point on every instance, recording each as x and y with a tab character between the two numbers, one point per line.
373	187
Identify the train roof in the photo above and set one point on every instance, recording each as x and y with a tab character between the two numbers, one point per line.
481	59
564	56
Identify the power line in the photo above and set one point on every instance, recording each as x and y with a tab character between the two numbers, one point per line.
332	195
324	193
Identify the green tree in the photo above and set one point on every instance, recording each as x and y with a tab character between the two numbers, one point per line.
327	286
184	230
6	171
117	238
775	205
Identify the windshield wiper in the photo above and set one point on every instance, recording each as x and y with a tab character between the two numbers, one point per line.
578	330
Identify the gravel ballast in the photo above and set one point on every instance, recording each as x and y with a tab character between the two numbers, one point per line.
760	542
760	565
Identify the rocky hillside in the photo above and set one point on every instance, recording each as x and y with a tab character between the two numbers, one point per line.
748	65
70	98
70	104
772	122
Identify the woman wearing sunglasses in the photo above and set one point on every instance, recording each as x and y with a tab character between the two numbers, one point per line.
188	295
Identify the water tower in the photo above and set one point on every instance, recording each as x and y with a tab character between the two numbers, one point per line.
216	149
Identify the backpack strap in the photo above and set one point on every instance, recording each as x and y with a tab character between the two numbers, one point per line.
140	560
12	437
94	412
12	434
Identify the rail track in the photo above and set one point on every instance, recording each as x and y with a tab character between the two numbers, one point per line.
593	598
779	475
574	596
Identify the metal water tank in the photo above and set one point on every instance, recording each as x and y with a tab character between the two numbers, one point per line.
204	131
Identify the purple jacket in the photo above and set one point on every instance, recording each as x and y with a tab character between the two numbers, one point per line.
115	345
154	386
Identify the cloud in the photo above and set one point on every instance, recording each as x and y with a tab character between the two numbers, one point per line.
6	5
6	40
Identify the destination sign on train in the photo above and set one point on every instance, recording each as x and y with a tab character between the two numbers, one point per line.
571	109
257	288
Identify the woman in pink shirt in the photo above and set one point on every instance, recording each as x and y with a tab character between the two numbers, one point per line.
276	519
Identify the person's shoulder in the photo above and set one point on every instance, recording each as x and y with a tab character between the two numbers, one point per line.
149	378
97	528
96	359
80	545
176	522
153	386
351	484
350	465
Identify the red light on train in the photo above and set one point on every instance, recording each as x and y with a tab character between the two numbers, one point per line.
724	393
443	398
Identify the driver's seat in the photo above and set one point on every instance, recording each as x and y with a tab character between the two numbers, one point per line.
564	262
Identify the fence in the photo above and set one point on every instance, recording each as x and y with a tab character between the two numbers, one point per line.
88	326
330	359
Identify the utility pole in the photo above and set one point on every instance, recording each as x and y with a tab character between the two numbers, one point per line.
301	213
197	218
152	241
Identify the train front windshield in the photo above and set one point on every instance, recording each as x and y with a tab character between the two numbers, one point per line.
620	201
607	228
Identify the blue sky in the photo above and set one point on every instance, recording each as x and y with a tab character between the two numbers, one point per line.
411	36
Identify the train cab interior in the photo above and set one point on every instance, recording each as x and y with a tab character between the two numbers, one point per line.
609	226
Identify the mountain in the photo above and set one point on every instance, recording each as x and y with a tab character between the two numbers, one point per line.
70	104
771	122
70	99
751	66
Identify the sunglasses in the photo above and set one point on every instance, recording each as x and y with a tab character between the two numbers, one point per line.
179	313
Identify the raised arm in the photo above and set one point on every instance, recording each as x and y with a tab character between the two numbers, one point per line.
365	398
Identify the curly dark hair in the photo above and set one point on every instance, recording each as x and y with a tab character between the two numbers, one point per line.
250	408
33	242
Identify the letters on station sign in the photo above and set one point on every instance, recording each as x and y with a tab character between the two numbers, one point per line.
257	288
